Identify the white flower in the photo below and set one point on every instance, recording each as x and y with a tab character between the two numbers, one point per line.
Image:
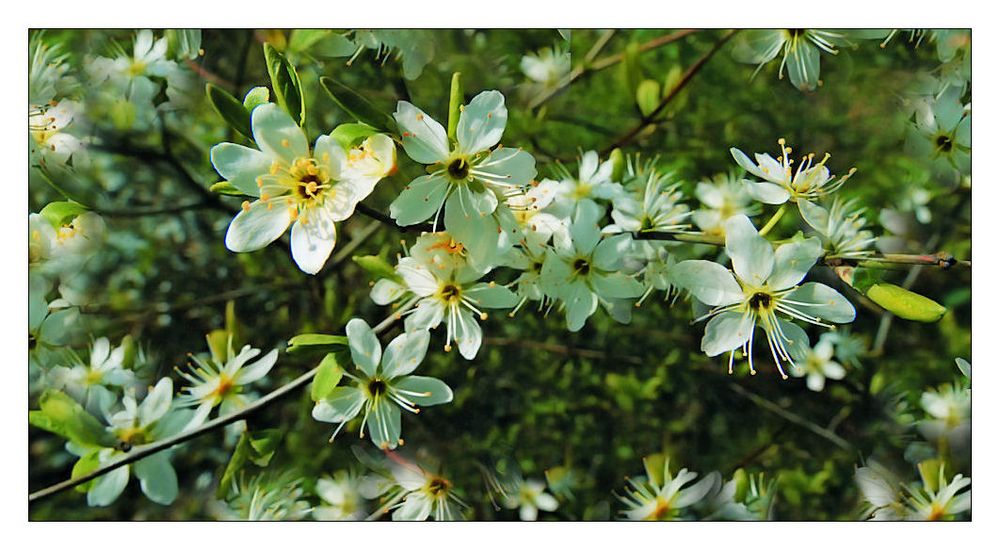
548	66
807	183
413	493
594	183
308	190
943	503
89	384
818	364
149	58
51	143
661	496
950	409
341	496
467	178
654	206
882	490
530	498
214	385
841	228
454	297
722	198
765	283
62	251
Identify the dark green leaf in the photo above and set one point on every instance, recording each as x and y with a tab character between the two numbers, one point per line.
316	343
286	84
356	105
378	268
230	109
327	377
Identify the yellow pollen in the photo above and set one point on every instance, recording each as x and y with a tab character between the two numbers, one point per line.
447	348
294	213
284	143
245	206
483	316
264	197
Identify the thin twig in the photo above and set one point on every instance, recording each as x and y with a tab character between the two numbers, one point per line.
650	118
792	417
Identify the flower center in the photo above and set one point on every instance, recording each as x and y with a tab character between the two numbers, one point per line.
795	33
130	437
438	486
458	169
944	143
376	388
760	301
581	266
450	293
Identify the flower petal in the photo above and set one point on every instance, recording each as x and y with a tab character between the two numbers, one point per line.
481	124
258	226
240	166
506	167
313	239
468	334
157	478
108	487
792	261
384	424
404	353
767	193
424	139
581	303
341	405
752	255
823	302
726	332
420	200
256	370
157	402
707	281
277	135
492	296
424	390
366	351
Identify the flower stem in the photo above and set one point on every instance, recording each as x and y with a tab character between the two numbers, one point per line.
773	221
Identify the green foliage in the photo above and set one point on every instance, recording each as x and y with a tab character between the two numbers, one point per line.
286	84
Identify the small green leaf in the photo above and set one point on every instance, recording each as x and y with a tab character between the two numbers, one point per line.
647	96
229	108
263	444
61	415
930	471
617	159
256	97
378	268
350	134
286	84
218	345
226	188
327	377
906	304
60	213
631	69
84	466
455	102
357	105
236	462
316	343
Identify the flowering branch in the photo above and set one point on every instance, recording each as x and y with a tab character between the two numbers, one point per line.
142	451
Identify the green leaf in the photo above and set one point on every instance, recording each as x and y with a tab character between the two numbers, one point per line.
218	345
60	213
84	466
229	108
316	343
350	134
263	444
647	96
357	105
631	69
327	377
303	39
906	304
256	97
286	84
455	102
226	188
378	268
184	43
61	415
617	159
256	447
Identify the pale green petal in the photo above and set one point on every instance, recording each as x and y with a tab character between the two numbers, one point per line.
823	302
427	315
256	370
384	424
341	405
752	255
420	200
745	163
815	215
404	353
616	285
157	402
585	230
726	332
581	303
609	254
492	296
423	390
803	65
257	227
157	478
792	261
387	291
424	139
758	45
277	135
329	153
366	351
707	281
240	166
468	334
795	340
313	239
108	487
506	167
767	193
694	493
416	276
416	507
481	124
468	218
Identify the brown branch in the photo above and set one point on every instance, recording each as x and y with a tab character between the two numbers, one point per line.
650	118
